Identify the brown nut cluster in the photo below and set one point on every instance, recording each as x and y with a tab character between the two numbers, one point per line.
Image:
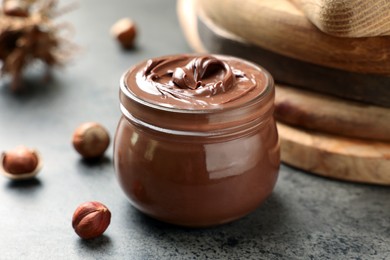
91	140
91	219
20	163
125	31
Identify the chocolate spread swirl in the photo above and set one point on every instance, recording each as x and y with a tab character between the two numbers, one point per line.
190	76
194	81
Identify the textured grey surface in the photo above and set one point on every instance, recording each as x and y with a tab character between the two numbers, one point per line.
307	217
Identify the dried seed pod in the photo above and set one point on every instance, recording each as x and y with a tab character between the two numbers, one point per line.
28	34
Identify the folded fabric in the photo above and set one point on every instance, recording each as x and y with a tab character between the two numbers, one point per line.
348	18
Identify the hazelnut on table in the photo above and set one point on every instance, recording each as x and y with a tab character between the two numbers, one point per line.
125	31
91	140
91	219
20	163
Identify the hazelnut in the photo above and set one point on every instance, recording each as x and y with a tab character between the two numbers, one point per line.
91	219
15	8
91	140
125	32
20	163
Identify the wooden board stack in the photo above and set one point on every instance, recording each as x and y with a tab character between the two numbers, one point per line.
332	93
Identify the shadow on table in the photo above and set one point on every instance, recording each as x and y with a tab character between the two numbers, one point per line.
267	217
25	186
100	162
34	84
102	243
265	223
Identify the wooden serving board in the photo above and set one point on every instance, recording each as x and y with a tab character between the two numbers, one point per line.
336	157
279	26
324	154
204	36
331	115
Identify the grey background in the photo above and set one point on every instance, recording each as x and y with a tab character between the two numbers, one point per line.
307	217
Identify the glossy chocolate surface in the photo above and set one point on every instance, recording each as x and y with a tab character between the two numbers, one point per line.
196	81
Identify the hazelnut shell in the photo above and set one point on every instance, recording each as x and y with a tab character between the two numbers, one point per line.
91	219
15	8
91	140
18	175
125	31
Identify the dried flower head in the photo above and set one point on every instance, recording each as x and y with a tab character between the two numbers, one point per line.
28	34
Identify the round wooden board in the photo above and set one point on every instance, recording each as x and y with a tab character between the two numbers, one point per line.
280	27
336	157
204	36
331	115
327	155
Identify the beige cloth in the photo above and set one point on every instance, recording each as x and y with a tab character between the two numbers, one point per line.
348	18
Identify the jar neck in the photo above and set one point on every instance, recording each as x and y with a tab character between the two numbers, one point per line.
214	122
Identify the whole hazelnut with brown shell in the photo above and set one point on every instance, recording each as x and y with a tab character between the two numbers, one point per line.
91	219
125	32
91	140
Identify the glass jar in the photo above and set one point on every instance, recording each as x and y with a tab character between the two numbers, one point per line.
195	167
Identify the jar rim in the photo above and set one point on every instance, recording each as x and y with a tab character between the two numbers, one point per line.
269	85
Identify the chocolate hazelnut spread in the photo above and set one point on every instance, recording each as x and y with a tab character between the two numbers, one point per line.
196	82
197	143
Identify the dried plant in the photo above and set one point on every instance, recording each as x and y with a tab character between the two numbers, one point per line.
28	34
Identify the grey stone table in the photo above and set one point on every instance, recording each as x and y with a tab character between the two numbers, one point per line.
307	217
